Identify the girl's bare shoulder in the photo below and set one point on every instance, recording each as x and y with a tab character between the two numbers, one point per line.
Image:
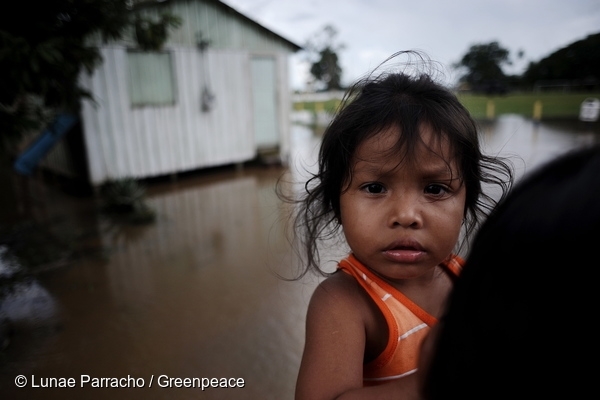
340	286
340	293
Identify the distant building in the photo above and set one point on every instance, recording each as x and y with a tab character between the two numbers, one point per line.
217	93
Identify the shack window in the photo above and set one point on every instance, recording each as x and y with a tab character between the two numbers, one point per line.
151	78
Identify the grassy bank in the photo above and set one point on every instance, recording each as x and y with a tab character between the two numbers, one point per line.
314	106
550	105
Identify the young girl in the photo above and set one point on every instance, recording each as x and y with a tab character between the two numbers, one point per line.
401	173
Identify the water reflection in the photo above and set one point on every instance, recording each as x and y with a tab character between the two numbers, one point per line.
196	293
529	144
193	295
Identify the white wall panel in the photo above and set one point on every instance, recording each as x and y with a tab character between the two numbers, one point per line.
154	140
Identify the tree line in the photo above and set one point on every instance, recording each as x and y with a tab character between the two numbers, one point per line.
42	54
576	66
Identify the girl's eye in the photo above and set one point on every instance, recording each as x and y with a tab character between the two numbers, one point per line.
374	188
436	190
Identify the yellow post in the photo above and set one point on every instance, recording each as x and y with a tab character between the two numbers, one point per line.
490	109
537	110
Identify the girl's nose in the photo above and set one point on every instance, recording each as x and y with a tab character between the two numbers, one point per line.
405	211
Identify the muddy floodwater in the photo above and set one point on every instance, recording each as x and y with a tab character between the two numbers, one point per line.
195	295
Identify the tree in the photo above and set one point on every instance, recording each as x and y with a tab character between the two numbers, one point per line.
44	45
151	35
577	63
322	54
483	64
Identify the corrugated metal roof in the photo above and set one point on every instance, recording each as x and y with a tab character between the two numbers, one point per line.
140	4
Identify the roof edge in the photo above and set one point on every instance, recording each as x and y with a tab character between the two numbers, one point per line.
158	3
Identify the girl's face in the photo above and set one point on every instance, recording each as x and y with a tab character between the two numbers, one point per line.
401	219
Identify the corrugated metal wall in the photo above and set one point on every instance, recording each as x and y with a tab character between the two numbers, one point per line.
146	141
125	141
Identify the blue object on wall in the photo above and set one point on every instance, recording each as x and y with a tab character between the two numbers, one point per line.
29	159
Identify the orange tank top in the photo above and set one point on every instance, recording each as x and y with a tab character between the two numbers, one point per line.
408	323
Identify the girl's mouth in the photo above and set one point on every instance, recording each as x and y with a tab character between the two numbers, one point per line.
404	252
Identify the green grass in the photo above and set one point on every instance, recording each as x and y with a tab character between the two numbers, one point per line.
329	106
554	105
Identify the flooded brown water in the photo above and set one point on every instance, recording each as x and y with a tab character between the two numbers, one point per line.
194	294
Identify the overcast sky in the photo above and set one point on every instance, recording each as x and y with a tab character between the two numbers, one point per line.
372	30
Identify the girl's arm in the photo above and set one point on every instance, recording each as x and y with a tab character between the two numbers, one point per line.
335	342
332	363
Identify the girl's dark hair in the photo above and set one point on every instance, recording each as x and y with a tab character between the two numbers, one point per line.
372	105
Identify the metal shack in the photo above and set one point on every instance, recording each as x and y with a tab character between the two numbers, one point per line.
217	93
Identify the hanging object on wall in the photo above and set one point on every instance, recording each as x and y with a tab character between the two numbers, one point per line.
201	41
207	98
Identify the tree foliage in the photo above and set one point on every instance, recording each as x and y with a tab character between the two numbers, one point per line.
483	64
44	46
151	35
322	51
578	62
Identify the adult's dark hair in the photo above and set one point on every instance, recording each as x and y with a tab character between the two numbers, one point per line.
519	321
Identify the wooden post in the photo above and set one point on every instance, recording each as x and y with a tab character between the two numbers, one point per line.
490	109
537	110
